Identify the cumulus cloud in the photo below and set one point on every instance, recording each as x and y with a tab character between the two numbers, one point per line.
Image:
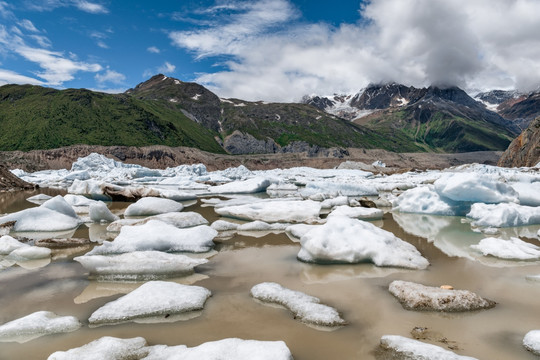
166	68
110	76
483	44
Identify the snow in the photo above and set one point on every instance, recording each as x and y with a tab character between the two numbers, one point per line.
357	212
253	185
99	212
346	240
196	96
305	307
177	219
139	265
105	348
513	249
159	236
531	341
147	206
37	324
409	349
503	215
274	211
153	298
415	296
226	349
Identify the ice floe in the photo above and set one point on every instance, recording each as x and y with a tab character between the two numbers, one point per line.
504	215
529	193
37	324
531	341
148	206
178	219
409	349
346	240
425	200
14	250
253	185
139	265
357	212
274	211
107	347
415	296
160	236
99	212
333	189
304	307
39	198
152	299
513	249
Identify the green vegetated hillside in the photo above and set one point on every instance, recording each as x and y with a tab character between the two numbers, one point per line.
33	117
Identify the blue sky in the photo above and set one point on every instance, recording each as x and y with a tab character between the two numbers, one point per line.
274	50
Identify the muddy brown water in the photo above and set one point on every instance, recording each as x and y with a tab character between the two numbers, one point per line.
359	292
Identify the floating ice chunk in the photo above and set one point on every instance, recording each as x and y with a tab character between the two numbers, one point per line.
159	236
78	200
531	341
295	232
105	348
9	244
37	324
503	215
409	349
357	212
39	198
100	212
345	189
151	299
226	349
41	219
274	211
415	296
178	219
262	226
306	308
346	240
147	206
513	249
425	200
60	205
529	193
92	188
139	265
177	195
28	252
222	225
473	187
235	173
337	201
254	185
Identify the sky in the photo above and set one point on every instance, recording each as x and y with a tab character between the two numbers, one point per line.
274	50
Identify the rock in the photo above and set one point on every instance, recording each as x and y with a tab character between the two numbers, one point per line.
9	182
242	143
415	296
525	149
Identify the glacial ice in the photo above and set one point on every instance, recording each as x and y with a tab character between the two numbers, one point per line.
409	349
138	265
153	298
529	193
18	251
37	324
346	240
274	211
357	212
333	189
253	185
503	215
513	249
99	212
304	307
41	219
415	296
178	219
159	236
148	206
105	348
531	341
333	202
39	198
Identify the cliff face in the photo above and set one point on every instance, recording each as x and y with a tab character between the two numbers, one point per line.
525	149
8	181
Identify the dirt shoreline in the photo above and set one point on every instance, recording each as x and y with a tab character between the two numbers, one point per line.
161	157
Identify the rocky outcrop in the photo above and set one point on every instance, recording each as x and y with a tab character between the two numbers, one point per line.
8	181
239	143
525	149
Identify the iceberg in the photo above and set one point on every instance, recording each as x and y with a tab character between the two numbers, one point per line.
425	200
304	307
41	219
152	299
529	193
253	185
357	212
274	211
531	341
177	219
147	206
105	348
37	324
331	188
474	187
346	240
513	249
415	296
159	236
503	215
333	202
408	349
99	212
138	265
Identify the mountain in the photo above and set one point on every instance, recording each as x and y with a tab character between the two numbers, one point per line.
525	149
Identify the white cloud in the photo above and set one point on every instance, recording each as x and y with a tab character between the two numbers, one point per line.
153	49
28	25
110	76
102	44
5	11
10	77
90	7
41	40
166	68
49	5
474	44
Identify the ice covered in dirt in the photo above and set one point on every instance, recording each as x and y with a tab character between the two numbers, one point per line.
512	249
139	265
159	236
304	307
274	211
253	185
107	347
357	212
226	349
346	240
503	215
152	299
148	206
37	324
99	212
408	349
178	219
415	296
531	341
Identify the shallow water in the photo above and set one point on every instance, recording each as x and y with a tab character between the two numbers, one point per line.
359	292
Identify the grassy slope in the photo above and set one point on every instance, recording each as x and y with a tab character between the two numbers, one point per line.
33	117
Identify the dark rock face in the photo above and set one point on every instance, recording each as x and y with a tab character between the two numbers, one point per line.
239	143
525	149
8	181
522	110
320	103
497	97
385	96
